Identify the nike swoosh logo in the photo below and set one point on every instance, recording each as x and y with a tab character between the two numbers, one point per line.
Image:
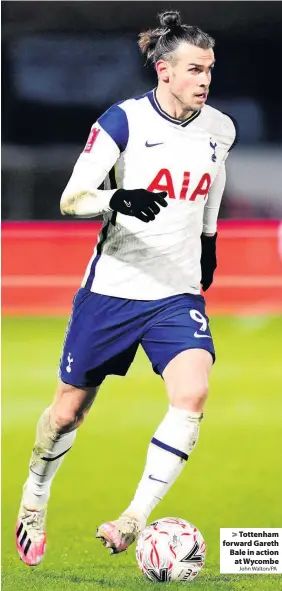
201	336
151	477
152	145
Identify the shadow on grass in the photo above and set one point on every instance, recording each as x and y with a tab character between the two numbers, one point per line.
124	578
129	581
72	578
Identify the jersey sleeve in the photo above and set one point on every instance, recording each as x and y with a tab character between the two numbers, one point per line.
107	139
212	205
114	122
233	129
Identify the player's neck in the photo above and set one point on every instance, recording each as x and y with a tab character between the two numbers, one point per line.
171	105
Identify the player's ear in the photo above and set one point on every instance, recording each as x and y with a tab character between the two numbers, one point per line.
162	70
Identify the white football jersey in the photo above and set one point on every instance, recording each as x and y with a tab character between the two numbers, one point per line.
135	144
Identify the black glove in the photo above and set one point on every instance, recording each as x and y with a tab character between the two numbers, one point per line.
139	203
208	260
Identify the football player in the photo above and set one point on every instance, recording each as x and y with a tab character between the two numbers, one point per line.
161	157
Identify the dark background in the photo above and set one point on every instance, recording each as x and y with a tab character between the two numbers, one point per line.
64	63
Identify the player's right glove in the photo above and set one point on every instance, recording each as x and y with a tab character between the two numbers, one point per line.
139	203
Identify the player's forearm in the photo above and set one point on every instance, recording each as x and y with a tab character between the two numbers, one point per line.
210	220
85	204
212	206
81	197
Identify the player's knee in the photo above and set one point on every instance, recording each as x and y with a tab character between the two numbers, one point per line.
67	411
67	420
192	396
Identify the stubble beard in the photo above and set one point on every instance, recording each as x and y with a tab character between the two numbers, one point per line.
186	109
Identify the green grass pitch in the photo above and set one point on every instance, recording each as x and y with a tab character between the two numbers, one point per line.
233	478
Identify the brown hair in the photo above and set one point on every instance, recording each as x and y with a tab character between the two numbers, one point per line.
160	43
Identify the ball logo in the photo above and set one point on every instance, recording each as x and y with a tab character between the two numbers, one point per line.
91	139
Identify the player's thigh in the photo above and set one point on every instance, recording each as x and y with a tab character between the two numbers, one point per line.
180	347
99	340
180	324
186	378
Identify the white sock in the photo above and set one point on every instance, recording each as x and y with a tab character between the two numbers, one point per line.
48	453
168	452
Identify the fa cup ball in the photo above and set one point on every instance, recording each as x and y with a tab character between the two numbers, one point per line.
171	549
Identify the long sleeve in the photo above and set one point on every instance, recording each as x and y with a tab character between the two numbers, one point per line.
212	205
107	139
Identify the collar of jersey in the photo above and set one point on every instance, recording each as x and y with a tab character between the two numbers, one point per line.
156	105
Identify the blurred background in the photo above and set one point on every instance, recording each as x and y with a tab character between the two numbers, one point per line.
64	63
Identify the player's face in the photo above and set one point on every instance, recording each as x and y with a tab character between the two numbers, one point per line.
189	75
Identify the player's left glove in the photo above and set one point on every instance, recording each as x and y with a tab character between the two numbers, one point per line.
208	260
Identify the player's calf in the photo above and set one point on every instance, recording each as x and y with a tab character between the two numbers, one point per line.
56	431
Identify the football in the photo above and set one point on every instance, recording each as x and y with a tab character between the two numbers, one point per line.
171	549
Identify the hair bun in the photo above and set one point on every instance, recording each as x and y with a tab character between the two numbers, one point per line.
170	19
